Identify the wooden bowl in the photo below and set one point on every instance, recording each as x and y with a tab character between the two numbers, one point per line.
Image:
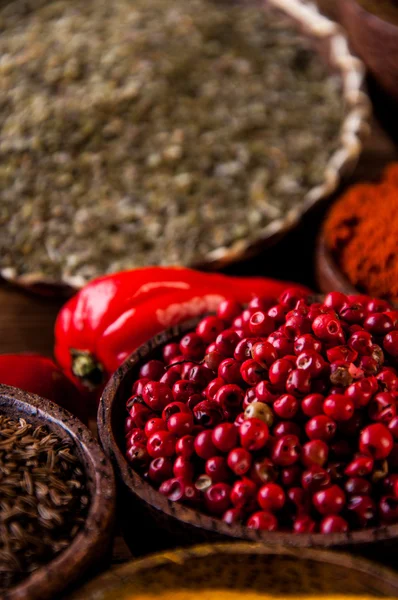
375	41
236	571
171	523
92	544
330	42
328	274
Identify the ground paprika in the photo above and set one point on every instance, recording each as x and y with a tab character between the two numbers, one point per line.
100	326
361	231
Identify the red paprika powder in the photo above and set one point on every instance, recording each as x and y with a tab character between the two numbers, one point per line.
361	231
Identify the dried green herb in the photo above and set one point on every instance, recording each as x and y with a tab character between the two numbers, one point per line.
43	498
152	132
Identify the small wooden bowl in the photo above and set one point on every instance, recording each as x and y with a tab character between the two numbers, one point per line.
328	274
92	544
375	41
171	523
236	571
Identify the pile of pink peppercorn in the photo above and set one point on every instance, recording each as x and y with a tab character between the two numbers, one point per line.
279	416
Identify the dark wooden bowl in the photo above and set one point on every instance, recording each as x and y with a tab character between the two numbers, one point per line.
328	274
239	569
91	545
174	524
375	41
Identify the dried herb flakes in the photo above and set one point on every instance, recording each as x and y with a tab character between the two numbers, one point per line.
136	132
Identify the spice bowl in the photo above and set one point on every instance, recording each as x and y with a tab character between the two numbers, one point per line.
243	570
375	40
173	523
328	274
89	547
254	161
355	251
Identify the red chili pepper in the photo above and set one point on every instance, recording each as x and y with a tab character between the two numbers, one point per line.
40	375
140	323
98	328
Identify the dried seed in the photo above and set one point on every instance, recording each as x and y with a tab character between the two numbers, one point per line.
28	483
66	455
43	498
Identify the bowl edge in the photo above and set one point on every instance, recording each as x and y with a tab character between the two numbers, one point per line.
93	540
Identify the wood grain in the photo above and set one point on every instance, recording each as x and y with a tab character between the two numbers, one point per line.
26	321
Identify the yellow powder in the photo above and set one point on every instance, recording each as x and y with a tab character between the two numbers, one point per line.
215	594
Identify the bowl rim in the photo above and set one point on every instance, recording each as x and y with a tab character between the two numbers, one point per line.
137	486
126	572
45	582
328	270
354	126
373	18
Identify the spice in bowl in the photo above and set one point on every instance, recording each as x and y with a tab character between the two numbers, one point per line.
279	417
160	132
244	571
361	233
43	498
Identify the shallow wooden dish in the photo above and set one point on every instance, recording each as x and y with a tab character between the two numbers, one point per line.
330	42
175	524
242	569
376	42
329	276
92	544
